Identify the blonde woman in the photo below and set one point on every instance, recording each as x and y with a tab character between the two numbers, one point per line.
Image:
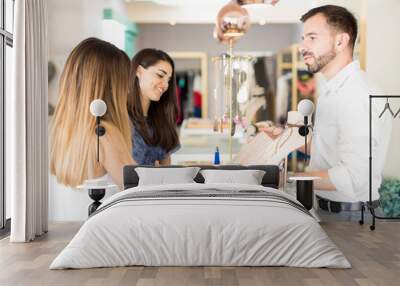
95	69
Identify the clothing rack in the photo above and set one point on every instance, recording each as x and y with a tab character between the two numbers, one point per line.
370	204
293	65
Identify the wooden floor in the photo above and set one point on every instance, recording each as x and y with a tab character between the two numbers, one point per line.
374	255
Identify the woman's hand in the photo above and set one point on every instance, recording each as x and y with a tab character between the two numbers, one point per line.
165	162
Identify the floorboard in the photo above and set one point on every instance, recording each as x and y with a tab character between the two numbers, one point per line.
374	255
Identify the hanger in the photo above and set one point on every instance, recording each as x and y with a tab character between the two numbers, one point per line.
397	113
387	107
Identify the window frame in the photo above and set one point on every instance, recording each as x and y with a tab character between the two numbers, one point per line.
6	39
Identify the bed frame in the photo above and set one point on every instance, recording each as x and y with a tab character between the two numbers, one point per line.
270	179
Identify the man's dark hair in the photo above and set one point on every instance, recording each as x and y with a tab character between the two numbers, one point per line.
338	18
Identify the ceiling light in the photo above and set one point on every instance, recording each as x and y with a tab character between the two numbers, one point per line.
250	2
232	22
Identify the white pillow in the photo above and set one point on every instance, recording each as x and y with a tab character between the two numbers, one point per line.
248	177
166	176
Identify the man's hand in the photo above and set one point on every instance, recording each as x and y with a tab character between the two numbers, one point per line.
268	128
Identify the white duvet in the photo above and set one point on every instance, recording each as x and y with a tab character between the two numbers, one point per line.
183	231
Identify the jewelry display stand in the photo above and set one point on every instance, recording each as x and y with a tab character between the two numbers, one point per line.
232	23
227	112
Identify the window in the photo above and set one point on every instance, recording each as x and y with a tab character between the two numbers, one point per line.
6	44
9	19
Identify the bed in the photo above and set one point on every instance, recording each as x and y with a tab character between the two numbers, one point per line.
201	224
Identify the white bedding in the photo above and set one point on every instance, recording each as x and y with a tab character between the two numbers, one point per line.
186	230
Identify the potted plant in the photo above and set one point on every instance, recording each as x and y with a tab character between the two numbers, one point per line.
390	197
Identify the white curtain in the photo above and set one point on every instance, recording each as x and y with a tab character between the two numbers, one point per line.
27	123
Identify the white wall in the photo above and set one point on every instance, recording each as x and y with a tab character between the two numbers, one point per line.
69	22
383	64
69	204
205	11
354	6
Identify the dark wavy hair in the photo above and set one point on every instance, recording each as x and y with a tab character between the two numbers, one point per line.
162	114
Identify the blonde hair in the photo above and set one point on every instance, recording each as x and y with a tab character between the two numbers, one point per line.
95	69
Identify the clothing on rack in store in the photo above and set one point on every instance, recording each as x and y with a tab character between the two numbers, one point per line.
306	87
189	94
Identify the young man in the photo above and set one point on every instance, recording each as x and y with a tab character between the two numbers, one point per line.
339	148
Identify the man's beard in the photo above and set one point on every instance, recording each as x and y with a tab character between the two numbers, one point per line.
321	61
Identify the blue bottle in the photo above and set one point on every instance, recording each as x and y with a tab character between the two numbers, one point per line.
216	157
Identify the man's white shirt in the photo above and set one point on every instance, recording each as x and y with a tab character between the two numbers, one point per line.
340	141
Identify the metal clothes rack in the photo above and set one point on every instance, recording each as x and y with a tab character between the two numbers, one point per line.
370	204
